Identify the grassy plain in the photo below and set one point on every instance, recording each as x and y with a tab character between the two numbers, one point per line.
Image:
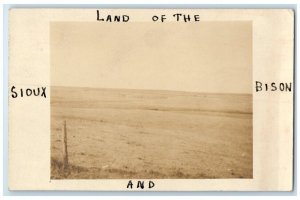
119	133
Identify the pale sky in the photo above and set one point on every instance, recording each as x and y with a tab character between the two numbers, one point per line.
214	57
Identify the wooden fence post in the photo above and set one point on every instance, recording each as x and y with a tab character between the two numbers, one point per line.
65	152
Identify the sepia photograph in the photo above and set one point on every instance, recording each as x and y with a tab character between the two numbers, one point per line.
144	100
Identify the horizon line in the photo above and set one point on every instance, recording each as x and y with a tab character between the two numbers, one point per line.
162	90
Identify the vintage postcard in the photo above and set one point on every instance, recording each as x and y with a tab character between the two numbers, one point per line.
151	99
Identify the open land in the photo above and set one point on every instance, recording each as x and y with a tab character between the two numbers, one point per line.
121	133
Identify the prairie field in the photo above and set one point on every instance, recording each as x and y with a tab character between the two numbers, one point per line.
120	133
